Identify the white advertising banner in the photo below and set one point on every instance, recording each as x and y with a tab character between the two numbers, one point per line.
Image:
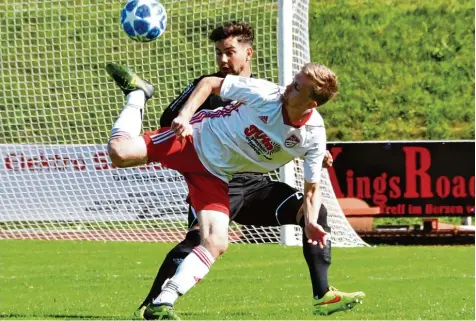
79	183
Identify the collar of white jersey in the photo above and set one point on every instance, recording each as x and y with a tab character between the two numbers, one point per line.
313	118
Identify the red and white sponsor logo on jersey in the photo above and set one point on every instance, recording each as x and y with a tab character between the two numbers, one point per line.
291	141
264	119
257	133
260	142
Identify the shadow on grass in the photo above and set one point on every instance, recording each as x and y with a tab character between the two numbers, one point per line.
236	315
60	316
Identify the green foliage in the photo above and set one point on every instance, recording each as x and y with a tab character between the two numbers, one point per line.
406	68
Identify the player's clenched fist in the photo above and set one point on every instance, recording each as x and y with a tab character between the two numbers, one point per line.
181	126
328	160
316	234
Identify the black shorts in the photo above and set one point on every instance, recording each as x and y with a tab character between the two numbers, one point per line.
257	200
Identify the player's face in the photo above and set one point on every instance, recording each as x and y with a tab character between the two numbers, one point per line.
297	93
232	57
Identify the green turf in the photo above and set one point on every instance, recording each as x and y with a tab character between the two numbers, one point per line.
97	280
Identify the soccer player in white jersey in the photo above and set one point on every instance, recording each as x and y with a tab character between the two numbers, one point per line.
255	199
267	127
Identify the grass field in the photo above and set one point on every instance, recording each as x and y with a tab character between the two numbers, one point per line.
96	280
406	70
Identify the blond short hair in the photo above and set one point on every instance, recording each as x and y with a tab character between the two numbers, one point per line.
326	84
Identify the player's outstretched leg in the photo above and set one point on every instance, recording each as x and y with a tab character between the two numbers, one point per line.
126	148
160	312
335	300
128	81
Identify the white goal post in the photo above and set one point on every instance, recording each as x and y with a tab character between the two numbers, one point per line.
57	106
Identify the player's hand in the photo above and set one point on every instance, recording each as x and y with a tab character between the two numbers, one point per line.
181	126
316	235
328	160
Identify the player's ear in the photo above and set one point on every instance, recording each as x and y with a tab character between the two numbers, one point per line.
249	53
312	102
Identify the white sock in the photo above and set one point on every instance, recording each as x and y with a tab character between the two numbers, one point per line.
129	122
192	269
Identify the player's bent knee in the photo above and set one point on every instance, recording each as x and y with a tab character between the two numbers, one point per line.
115	155
214	231
127	152
216	244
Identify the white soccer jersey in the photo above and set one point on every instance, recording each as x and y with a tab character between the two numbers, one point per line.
253	134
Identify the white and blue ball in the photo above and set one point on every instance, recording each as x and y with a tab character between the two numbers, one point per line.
143	20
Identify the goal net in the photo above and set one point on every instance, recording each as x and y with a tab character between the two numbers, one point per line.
57	106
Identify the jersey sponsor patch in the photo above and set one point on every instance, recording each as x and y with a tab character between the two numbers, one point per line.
260	142
264	119
291	141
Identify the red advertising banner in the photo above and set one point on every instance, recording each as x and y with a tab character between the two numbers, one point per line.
428	178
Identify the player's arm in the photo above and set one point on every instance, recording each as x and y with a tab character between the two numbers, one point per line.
207	86
176	105
313	163
326	163
312	203
249	90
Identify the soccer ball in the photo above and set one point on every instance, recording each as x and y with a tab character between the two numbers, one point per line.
143	20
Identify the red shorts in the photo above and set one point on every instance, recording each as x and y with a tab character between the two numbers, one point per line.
206	191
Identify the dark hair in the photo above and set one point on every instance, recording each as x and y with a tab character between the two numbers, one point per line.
242	30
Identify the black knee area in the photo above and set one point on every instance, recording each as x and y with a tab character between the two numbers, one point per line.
193	237
321	255
184	248
318	260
